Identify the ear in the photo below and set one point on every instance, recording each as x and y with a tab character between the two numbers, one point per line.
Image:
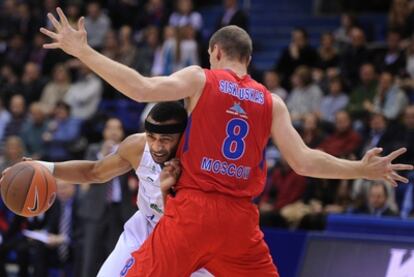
219	53
249	60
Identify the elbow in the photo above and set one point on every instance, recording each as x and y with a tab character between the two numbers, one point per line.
302	168
302	164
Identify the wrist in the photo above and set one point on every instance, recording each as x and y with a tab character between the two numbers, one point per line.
50	166
84	52
360	170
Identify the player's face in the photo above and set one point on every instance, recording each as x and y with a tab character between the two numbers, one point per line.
162	146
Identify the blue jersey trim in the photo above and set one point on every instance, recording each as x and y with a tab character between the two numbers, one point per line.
262	162
187	135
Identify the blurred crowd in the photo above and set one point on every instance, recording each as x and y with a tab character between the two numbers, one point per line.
346	95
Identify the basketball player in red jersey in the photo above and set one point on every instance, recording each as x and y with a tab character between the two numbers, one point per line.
211	221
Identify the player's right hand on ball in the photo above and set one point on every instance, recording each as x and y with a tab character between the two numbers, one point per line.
170	174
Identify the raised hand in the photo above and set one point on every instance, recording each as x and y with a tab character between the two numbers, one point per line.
376	167
65	36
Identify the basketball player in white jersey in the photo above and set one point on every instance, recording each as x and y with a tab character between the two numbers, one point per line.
150	154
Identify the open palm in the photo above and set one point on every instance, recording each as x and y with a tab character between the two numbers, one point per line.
381	168
65	37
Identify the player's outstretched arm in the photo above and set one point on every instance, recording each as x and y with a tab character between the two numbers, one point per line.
185	83
318	164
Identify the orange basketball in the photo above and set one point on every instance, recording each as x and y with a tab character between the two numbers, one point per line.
28	189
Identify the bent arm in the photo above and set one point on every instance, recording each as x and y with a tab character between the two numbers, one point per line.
111	166
306	161
84	172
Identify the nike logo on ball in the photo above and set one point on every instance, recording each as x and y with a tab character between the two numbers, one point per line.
36	201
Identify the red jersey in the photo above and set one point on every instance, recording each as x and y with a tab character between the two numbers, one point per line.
222	149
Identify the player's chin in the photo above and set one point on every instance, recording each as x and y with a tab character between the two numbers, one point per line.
159	159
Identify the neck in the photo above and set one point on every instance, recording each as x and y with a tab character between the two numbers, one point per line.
238	68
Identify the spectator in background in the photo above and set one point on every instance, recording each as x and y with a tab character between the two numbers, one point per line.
18	116
73	12
364	92
344	142
305	97
62	131
9	82
5	118
111	203
56	89
342	34
179	51
97	24
153	14
375	136
84	94
400	18
148	51
17	51
272	83
407	80
32	83
111	45
286	187
376	201
233	15
37	54
355	55
14	241
124	11
8	17
27	22
185	16
392	59
335	101
389	100
13	152
410	58
328	55
61	226
298	53
127	49
311	132
402	136
32	131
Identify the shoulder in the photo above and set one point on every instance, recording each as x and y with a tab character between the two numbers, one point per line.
132	147
279	105
193	73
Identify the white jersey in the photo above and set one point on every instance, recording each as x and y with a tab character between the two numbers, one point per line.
142	223
150	201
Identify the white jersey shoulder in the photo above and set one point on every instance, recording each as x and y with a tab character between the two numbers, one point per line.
150	201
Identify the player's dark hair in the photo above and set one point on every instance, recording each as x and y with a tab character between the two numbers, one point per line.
234	41
165	111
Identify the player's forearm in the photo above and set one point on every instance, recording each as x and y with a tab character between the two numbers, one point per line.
319	164
124	79
76	172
